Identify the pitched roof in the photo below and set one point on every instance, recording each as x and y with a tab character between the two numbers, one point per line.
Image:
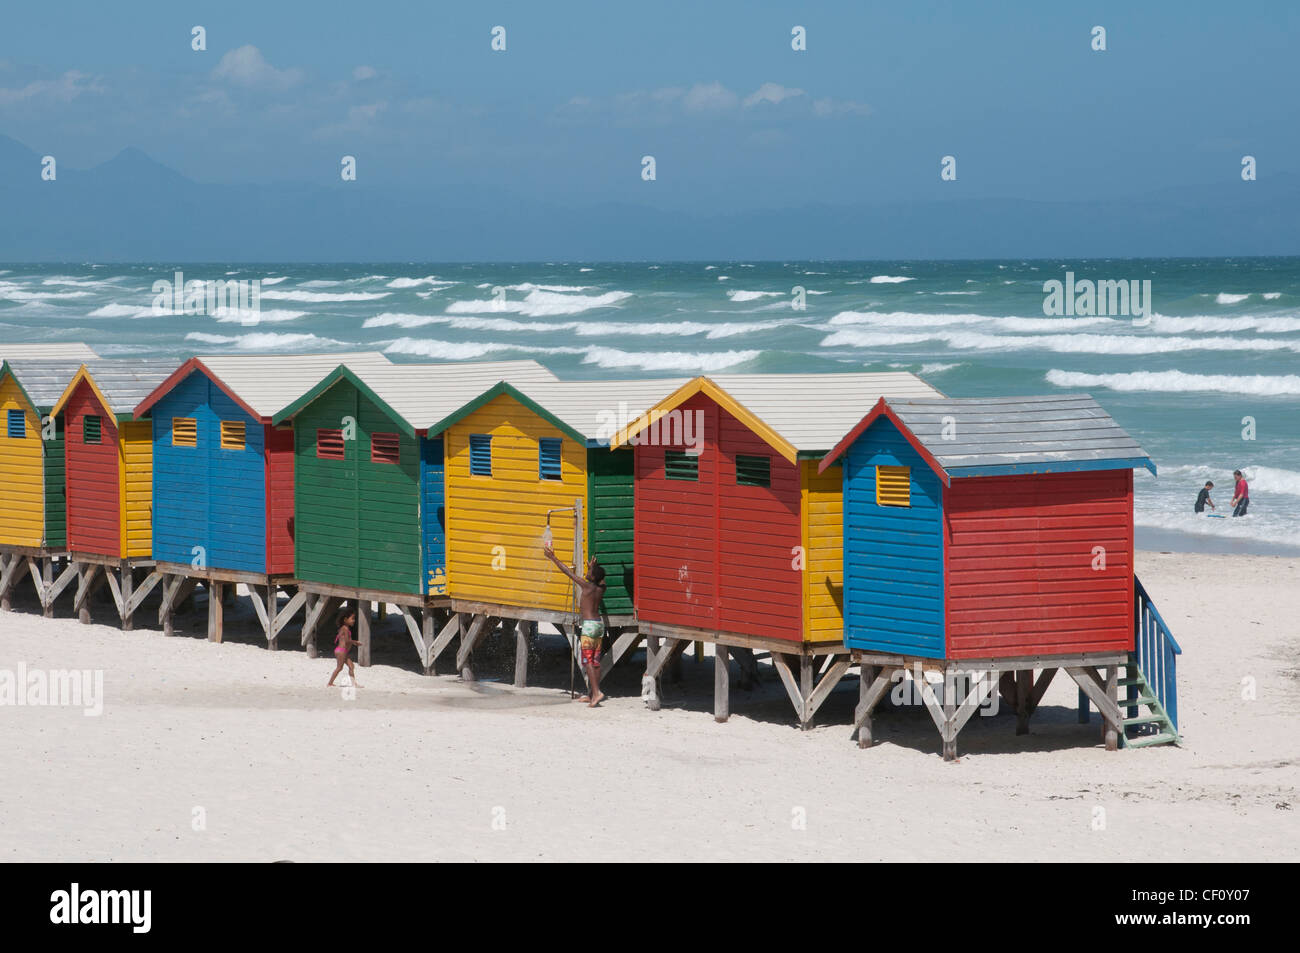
48	352
43	381
262	383
119	384
591	411
986	436
422	394
795	413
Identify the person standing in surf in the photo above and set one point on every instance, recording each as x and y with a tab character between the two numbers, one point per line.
343	642
1203	498
592	589
1241	497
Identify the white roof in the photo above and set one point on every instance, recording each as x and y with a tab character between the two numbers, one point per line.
425	394
270	382
599	409
814	411
58	352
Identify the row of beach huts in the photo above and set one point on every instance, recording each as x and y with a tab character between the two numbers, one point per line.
823	522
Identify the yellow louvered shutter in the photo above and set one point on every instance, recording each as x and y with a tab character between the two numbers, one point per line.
894	486
232	435
185	432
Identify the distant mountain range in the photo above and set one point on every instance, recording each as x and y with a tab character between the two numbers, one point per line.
132	208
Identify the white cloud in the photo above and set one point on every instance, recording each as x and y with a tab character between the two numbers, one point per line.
64	89
247	66
363	73
709	97
771	93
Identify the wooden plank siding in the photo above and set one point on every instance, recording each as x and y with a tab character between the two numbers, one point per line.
278	442
822	506
93	478
56	488
712	553
495	523
893	555
611	522
135	475
22	518
356	522
204	495
1021	576
433	516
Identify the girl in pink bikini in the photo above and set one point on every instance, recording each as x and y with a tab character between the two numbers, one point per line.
343	642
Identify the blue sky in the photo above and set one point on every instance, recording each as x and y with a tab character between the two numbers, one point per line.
734	117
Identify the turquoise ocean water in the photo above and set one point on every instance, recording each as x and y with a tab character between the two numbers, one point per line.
1222	343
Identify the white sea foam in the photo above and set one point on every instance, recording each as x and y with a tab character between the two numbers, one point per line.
270	316
1270	324
1224	298
77	282
737	295
1272	295
1262	479
889	279
321	283
529	286
117	311
431	281
946	293
909	319
274	281
15	294
586	269
1060	343
318	296
723	329
261	340
539	303
1177	382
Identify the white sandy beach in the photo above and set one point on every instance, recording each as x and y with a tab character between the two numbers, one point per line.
418	768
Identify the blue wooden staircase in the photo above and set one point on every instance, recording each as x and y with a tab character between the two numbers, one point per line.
1150	702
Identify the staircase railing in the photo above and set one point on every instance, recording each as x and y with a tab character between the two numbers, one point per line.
1157	651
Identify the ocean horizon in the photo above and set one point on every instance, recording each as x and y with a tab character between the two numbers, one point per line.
1206	374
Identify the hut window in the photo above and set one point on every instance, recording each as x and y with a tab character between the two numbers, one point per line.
385	448
680	465
329	444
548	458
91	428
232	435
894	486
17	424
480	454
185	432
753	471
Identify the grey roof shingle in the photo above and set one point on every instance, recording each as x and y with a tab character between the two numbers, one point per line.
44	381
47	352
1030	432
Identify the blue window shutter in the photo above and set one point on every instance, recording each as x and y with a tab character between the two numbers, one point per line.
548	458
17	424
480	454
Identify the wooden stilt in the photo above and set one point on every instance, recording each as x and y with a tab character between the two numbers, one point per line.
47	587
363	633
1024	687
428	622
524	633
128	590
272	607
7	575
216	613
950	716
721	683
874	686
1111	736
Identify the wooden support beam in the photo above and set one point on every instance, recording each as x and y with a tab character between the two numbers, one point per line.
721	683
805	691
626	642
791	687
982	685
834	672
216	613
259	608
656	663
449	632
272	596
116	589
1110	736
47	587
316	614
128	590
89	580
285	615
141	592
525	633
61	582
950	717
363	632
428	622
479	630
1093	687
8	578
872	689
1024	688
651	689
413	629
